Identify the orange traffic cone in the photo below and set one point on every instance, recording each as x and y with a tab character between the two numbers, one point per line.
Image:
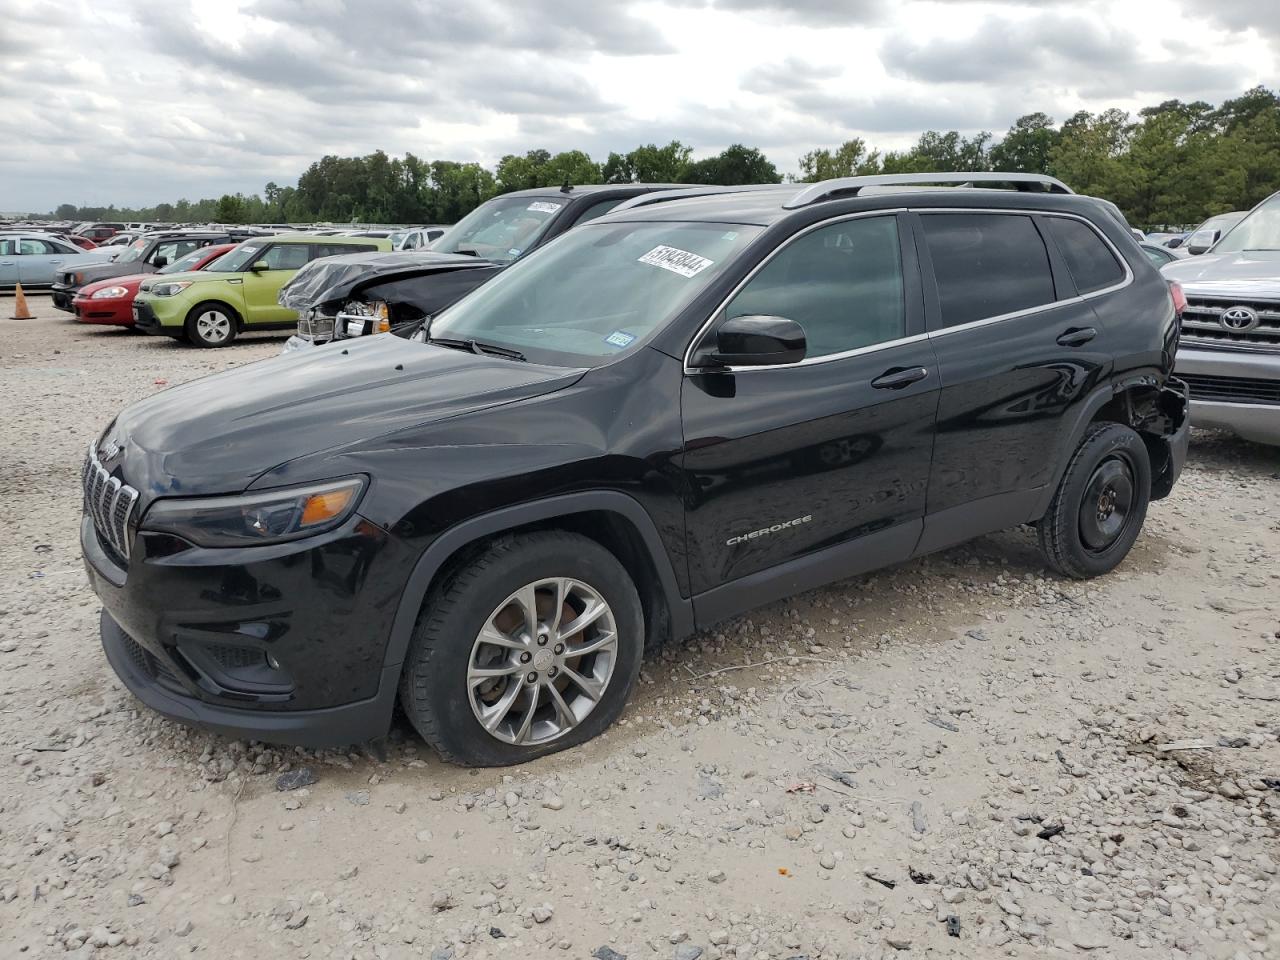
20	309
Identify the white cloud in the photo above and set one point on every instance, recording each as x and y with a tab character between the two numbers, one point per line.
138	101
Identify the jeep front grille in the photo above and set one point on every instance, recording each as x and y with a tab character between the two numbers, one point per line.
109	503
1202	324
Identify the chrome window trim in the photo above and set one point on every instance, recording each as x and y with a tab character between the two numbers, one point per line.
927	335
807	361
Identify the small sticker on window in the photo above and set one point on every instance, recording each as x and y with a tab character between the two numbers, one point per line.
514	251
731	235
676	260
620	338
544	206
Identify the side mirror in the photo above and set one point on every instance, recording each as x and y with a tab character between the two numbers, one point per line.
753	341
260	266
1201	241
160	262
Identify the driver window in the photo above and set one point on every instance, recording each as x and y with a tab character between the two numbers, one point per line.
34	248
842	283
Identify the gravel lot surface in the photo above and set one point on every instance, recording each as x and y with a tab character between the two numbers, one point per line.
959	757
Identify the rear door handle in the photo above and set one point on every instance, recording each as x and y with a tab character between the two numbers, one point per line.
1076	336
897	378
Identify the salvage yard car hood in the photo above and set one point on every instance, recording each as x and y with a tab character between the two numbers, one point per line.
1247	274
218	434
333	280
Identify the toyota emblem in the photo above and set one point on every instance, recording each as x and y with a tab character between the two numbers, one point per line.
1239	319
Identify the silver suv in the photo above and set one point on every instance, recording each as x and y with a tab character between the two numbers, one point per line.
1230	349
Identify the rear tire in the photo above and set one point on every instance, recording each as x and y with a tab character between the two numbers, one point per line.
487	685
211	325
1098	509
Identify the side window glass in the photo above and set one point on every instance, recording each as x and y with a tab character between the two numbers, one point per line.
987	265
286	256
842	283
8	248
598	209
34	248
1092	264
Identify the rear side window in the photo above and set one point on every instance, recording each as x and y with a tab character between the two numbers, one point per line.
987	265
842	283
1093	266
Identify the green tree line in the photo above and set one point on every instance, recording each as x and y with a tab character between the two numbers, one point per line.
1173	163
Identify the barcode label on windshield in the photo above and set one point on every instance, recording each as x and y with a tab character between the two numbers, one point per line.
676	260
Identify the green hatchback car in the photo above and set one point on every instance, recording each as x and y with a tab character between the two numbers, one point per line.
238	291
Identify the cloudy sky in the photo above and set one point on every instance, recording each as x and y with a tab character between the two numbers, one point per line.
137	101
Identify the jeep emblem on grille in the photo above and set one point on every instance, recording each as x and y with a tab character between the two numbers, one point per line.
1239	319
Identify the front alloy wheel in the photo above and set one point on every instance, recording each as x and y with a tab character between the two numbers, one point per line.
542	662
527	645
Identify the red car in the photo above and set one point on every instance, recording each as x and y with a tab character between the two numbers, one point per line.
111	301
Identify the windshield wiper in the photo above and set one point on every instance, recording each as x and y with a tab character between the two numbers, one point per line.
475	346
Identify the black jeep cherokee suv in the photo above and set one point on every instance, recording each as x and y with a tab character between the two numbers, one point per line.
664	418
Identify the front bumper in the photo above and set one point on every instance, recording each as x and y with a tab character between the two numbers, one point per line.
116	312
283	643
62	296
145	319
1234	390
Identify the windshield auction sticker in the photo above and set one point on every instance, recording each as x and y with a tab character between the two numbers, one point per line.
676	260
544	206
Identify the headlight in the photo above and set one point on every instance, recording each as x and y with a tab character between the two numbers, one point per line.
377	309
271	516
76	278
170	288
110	293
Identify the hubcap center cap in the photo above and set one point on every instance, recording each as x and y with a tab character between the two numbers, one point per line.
543	659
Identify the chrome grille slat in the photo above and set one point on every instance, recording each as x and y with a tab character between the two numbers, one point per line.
108	502
1201	326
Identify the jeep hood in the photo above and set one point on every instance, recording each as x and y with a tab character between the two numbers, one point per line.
333	279
1248	274
220	433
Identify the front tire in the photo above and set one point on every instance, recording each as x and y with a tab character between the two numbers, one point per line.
530	646
1100	504
211	325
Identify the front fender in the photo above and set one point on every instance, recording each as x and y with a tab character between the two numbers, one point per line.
507	518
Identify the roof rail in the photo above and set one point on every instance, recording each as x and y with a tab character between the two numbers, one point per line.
659	196
849	186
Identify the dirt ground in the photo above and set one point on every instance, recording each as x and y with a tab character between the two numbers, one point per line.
958	757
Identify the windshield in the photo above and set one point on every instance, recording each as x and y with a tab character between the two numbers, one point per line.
500	229
238	259
1260	230
595	292
133	253
183	264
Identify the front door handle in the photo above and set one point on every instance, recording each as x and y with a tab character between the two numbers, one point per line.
1076	336
897	378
